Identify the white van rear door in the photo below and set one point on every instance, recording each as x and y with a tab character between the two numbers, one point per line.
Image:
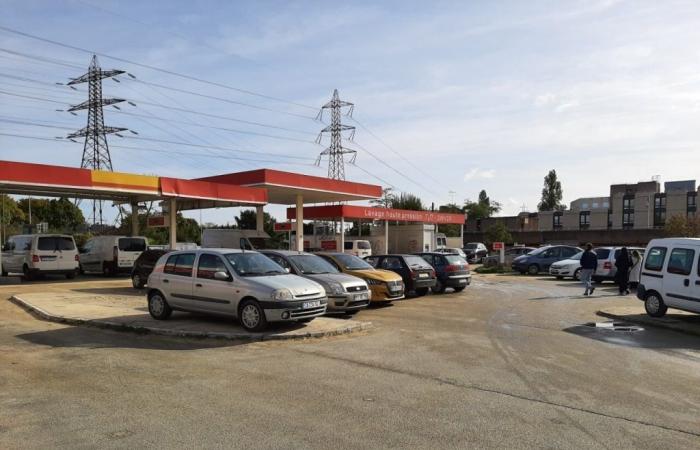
680	277
47	251
66	253
130	248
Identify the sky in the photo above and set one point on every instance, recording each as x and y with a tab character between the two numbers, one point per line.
450	97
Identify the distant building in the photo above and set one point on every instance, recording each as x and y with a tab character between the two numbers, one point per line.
632	214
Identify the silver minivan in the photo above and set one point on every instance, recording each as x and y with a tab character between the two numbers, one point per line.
237	283
346	294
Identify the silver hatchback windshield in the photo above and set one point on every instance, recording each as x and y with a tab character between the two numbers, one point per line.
253	264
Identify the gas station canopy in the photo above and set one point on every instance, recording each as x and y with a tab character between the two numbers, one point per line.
284	187
330	212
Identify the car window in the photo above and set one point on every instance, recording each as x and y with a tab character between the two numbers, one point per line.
183	264
363	245
567	252
247	264
602	253
312	264
372	260
210	264
681	261
132	244
455	259
170	265
655	259
416	261
65	243
430	259
47	243
279	260
352	262
552	253
391	263
348	245
331	262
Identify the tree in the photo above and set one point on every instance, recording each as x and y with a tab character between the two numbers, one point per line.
60	214
551	193
407	201
386	200
682	226
483	208
10	212
188	230
498	233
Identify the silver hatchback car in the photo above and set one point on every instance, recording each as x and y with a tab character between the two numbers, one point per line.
346	294
236	283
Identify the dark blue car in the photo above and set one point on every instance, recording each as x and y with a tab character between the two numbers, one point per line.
540	259
450	271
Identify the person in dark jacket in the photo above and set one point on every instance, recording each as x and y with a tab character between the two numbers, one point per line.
589	264
624	263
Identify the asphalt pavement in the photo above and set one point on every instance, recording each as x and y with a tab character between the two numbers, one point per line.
512	362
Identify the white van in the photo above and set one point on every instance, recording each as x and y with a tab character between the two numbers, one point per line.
35	254
111	254
670	276
358	248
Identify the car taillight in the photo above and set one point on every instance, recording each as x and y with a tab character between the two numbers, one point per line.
35	258
451	268
77	258
432	273
116	253
414	274
607	265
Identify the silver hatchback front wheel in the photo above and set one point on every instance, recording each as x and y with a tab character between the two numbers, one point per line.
251	316
158	307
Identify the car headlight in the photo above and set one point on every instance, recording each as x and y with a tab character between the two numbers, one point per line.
282	295
372	282
336	288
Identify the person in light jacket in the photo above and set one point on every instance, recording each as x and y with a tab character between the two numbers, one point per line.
589	264
636	271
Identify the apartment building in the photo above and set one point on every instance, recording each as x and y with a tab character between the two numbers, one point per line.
631	214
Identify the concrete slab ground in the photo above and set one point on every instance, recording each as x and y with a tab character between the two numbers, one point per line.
675	320
124	309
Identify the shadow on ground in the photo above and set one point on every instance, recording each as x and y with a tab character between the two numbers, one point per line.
127	291
647	337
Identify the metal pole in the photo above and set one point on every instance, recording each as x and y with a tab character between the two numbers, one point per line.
173	223
259	218
386	236
359	229
300	223
30	210
342	234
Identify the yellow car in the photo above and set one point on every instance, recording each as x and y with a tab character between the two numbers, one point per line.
384	284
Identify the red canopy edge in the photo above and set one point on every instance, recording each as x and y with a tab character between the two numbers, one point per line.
369	213
206	190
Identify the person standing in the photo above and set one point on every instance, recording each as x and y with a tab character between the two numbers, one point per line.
636	271
589	264
623	262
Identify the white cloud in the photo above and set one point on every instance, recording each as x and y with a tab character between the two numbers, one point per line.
477	173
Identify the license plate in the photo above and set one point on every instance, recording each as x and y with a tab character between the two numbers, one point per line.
422	275
313	304
462	281
363	296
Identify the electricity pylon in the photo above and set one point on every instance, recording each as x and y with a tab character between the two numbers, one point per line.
335	152
95	151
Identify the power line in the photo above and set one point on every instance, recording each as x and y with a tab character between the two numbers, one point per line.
158	69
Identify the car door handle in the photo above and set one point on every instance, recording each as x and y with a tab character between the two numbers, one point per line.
198	285
686	282
166	281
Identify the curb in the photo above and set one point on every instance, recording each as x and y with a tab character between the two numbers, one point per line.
106	324
650	322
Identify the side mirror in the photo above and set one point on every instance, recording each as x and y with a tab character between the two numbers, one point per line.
222	276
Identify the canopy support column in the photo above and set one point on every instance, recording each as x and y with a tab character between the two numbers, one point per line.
134	218
172	215
342	235
259	218
300	223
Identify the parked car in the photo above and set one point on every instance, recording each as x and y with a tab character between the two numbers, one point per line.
385	285
539	260
346	294
358	247
670	276
567	268
475	251
143	266
510	255
418	276
37	254
110	255
606	262
243	284
450	271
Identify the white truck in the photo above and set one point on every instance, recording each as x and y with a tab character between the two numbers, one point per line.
234	238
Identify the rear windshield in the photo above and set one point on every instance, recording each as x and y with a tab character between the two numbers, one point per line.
312	264
363	245
416	261
603	253
132	244
54	243
455	259
470	246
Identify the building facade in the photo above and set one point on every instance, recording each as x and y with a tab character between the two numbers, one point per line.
631	214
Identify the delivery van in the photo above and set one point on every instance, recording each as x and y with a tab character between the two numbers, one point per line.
110	255
36	254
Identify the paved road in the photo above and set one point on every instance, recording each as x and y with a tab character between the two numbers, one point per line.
506	364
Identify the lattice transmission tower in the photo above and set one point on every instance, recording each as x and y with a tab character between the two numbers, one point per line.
336	151
95	150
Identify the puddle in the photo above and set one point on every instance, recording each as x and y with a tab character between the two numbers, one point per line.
611	325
